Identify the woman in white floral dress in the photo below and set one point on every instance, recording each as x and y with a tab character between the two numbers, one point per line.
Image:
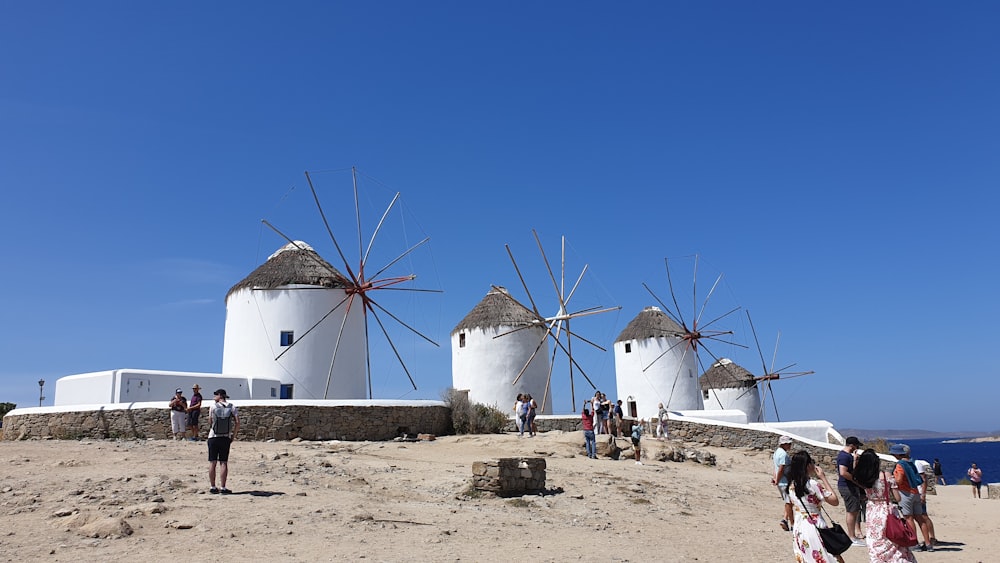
868	474
808	490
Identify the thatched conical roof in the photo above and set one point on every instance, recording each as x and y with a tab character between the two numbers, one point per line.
650	323
724	374
498	308
294	263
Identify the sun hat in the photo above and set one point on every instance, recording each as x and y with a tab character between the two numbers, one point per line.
221	393
784	440
899	449
178	390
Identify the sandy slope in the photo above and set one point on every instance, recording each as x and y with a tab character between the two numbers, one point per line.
406	501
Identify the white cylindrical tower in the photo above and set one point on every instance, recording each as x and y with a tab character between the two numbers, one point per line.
650	342
275	327
487	366
727	385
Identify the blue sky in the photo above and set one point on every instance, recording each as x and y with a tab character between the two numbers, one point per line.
837	163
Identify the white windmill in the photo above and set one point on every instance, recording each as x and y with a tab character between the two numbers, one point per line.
657	357
555	327
300	319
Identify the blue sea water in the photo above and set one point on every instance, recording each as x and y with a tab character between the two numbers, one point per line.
957	458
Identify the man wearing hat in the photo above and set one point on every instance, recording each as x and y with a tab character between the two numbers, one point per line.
782	461
193	412
912	494
178	414
223	425
849	489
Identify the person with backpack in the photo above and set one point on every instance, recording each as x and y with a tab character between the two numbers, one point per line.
913	495
637	429
224	424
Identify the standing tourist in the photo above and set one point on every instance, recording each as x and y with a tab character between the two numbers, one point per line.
530	417
938	472
598	427
587	419
224	424
605	414
636	437
178	414
519	415
781	461
881	490
193	412
661	423
848	488
619	418
976	476
912	495
809	489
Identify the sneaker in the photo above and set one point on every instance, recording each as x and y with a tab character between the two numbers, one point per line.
638	463
225	491
213	491
784	525
858	542
922	547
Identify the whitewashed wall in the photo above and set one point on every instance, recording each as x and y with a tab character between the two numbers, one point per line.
139	385
486	366
657	384
255	320
738	398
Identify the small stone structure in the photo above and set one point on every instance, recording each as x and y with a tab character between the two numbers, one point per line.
509	475
992	490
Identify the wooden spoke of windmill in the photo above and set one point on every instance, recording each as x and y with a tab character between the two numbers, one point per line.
559	324
362	286
695	335
770	374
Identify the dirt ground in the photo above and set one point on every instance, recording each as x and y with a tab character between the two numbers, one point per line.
410	501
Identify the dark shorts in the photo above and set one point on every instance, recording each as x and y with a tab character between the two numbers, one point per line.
851	496
635	442
977	485
218	448
193	417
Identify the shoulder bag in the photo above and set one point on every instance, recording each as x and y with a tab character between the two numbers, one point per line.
896	529
835	539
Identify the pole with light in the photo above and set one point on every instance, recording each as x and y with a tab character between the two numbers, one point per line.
41	389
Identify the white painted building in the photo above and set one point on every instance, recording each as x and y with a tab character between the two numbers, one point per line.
727	385
491	345
293	319
144	385
653	365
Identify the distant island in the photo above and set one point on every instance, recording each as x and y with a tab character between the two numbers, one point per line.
916	434
972	440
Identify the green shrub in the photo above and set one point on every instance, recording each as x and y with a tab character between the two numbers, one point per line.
473	418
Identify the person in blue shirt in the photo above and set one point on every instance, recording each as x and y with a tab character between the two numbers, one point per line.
780	479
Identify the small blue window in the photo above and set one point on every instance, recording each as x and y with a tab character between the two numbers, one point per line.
274	392
287	337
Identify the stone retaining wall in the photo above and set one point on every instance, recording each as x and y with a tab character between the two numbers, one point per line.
711	435
278	422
